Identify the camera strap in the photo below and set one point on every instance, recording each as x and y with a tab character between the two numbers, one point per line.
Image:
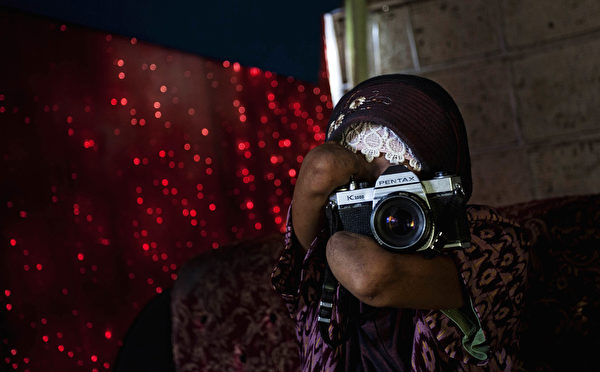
326	308
328	291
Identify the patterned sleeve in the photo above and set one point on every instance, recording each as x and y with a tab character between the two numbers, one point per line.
493	271
297	278
297	275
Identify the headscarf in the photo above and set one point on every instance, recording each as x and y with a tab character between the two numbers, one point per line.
419	112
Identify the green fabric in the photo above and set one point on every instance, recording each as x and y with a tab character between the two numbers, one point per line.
473	337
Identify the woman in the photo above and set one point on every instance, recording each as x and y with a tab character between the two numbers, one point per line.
457	310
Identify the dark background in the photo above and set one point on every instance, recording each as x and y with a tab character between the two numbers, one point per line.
119	161
280	36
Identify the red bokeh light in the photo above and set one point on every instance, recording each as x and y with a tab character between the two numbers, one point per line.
270	126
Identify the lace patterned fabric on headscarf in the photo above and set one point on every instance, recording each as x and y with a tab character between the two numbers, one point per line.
372	140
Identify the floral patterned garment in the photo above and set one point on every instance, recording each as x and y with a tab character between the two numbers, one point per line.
493	271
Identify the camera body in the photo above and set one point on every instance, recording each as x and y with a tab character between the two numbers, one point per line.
403	213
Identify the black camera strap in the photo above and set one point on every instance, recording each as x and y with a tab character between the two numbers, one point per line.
348	306
328	291
326	308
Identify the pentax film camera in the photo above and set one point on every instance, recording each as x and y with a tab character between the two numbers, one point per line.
403	213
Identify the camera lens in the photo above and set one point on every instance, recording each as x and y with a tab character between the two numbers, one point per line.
400	221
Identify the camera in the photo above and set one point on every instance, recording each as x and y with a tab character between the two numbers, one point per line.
403	213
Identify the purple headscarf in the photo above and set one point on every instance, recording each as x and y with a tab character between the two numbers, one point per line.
419	111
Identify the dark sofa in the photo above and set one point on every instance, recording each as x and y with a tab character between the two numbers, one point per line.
226	316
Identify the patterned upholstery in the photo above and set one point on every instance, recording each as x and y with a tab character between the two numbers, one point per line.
562	320
227	317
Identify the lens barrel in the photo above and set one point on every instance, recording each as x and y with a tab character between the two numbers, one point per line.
401	222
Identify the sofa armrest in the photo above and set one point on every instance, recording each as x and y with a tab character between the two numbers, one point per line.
226	315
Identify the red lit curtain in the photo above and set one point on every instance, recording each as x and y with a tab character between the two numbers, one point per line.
120	161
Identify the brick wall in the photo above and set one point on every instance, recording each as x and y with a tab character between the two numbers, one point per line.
526	76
